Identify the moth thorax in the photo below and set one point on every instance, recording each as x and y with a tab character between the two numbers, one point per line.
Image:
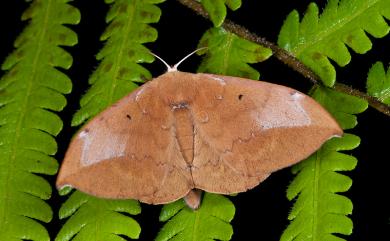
179	97
178	87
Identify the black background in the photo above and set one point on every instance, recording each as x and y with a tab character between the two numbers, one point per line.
261	213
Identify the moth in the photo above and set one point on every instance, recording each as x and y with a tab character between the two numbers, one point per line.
181	133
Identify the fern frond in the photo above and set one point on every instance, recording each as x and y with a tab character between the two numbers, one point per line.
217	9
30	91
378	82
345	22
119	70
87	212
117	75
228	54
319	211
209	222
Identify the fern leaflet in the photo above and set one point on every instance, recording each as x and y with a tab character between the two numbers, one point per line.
341	23
345	112
227	54
117	75
319	211
119	70
378	83
30	91
217	9
89	212
209	222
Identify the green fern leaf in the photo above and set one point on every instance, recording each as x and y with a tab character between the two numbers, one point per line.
117	75
30	91
341	23
217	9
227	54
120	69
88	213
319	211
209	222
340	105
378	83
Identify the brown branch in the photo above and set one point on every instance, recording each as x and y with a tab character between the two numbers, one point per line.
285	57
372	101
281	54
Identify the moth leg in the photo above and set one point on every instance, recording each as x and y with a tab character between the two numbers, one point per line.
193	198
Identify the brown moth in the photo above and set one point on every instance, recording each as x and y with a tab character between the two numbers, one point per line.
183	132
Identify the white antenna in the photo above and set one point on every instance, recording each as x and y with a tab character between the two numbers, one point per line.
174	68
177	65
169	68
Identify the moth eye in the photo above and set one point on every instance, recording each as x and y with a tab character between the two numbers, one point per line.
240	96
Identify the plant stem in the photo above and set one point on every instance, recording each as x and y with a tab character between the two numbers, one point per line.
372	101
285	57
